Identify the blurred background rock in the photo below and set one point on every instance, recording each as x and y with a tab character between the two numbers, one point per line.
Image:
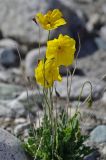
19	36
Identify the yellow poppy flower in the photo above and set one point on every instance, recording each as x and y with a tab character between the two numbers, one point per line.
51	20
47	72
62	49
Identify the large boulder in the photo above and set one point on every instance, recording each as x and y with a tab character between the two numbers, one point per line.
10	147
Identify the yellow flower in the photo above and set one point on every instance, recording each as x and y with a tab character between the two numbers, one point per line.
47	72
51	20
62	49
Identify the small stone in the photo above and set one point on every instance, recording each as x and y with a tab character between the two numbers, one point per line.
98	135
9	58
10	147
19	121
20	128
94	19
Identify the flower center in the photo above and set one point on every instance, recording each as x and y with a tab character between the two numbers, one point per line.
59	47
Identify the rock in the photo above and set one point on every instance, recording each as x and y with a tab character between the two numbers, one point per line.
9	43
103	32
93	21
31	60
10	147
104	8
9	58
87	64
17	109
32	97
9	91
104	151
100	43
104	98
12	75
98	135
4	111
5	76
77	83
18	19
63	71
19	121
11	109
20	128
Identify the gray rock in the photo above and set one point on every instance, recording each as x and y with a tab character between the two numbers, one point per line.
32	98
20	128
31	60
98	135
18	19
9	43
87	64
104	98
63	71
17	109
11	109
10	147
103	32
77	83
9	91
104	8
101	43
9	58
93	21
5	76
4	110
13	75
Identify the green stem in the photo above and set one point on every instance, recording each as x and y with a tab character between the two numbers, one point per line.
90	95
